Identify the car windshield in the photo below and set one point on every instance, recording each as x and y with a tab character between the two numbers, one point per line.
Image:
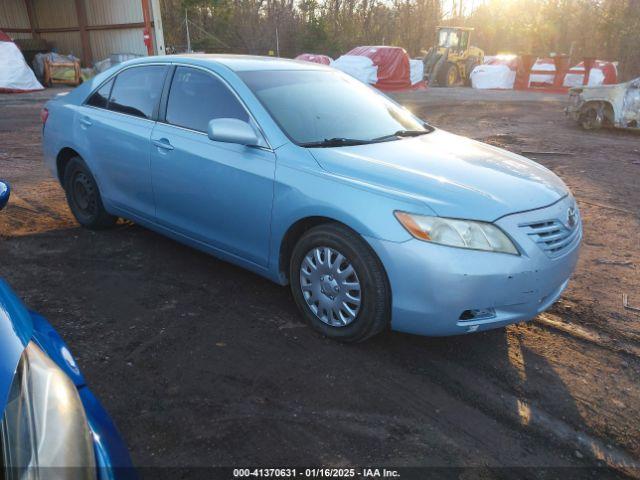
325	108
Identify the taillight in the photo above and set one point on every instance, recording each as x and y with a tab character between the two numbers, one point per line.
44	114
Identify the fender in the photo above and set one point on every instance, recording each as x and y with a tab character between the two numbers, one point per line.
16	330
300	181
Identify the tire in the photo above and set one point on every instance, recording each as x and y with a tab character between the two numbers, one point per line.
591	118
84	197
472	62
313	296
430	62
448	75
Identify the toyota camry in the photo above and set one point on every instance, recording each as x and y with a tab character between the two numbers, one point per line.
306	176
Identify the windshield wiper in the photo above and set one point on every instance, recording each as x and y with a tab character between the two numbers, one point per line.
335	142
401	133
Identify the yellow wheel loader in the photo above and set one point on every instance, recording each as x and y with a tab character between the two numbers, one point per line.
452	59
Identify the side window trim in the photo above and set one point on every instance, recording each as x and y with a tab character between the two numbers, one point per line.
164	98
156	108
162	117
155	114
111	79
113	82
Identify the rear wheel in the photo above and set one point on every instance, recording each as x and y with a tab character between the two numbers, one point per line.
339	284
84	198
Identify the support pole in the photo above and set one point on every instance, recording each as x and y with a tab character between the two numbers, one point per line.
158	31
146	15
81	12
523	73
186	23
32	19
562	67
589	62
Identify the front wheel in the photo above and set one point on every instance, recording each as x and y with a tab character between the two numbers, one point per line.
339	284
591	118
449	75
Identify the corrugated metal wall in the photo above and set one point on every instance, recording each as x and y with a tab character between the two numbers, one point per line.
106	42
65	42
13	14
59	14
18	36
100	12
55	14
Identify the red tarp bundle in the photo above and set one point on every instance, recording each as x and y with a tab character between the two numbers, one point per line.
312	57
543	74
510	61
394	71
4	37
608	69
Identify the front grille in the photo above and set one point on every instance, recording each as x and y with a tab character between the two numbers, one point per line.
552	236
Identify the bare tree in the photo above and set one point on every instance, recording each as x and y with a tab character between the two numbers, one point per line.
607	29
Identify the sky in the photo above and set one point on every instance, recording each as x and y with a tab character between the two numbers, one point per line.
468	6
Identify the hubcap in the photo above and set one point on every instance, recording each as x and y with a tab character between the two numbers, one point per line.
84	194
330	286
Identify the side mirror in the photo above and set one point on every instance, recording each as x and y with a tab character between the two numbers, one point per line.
5	192
232	130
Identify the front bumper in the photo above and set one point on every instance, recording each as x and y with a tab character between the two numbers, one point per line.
433	285
575	106
112	457
573	112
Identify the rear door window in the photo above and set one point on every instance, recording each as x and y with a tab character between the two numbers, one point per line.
137	91
197	97
100	98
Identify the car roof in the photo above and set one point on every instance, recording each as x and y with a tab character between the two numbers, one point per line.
237	63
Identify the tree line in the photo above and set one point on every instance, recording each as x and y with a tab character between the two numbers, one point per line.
606	29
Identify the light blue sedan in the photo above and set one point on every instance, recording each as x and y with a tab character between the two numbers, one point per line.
302	174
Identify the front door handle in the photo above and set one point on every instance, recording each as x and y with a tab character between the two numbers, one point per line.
163	143
86	122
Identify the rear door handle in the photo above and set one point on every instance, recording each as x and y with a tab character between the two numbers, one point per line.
163	143
85	122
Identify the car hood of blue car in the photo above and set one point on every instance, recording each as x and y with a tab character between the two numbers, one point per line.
455	176
16	329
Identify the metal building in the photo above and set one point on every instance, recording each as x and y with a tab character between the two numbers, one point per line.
89	29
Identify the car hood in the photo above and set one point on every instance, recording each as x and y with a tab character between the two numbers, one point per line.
602	91
455	176
16	329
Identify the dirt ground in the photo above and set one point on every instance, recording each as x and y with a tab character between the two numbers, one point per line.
201	363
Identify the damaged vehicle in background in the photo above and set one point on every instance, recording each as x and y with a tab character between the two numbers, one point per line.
51	424
606	105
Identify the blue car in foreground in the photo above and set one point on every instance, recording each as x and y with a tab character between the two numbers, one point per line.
304	175
51	424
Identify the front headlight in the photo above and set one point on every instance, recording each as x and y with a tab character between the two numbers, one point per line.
44	430
457	233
